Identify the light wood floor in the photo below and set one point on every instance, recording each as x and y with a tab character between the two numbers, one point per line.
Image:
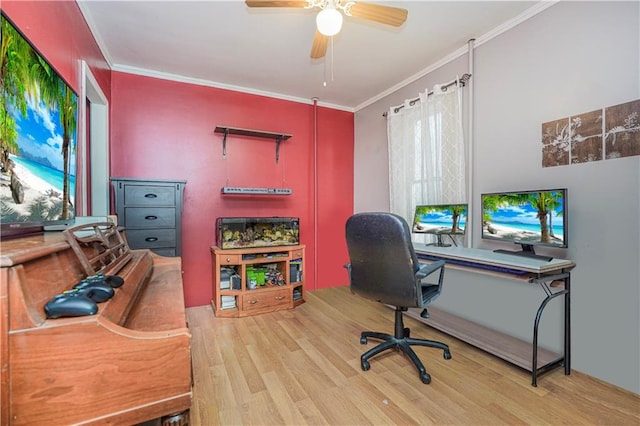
302	367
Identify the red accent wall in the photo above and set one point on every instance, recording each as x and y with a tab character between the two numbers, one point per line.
164	129
335	194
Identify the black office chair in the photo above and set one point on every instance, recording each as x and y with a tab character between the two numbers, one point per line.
384	267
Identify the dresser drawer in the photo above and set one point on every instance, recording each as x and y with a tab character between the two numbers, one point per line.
266	300
151	238
149	195
150	217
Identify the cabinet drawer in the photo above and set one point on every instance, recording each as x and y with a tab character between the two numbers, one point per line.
149	195
230	259
150	217
266	300
151	238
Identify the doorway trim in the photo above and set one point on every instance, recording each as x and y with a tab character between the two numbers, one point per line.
98	126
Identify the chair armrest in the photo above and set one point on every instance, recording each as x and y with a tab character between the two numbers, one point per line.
428	292
427	269
347	266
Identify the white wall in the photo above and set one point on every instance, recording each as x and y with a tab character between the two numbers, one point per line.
571	58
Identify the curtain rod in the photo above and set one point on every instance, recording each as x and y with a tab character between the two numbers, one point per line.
463	80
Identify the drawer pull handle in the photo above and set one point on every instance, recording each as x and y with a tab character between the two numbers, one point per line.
151	239
151	217
279	297
150	196
252	302
228	259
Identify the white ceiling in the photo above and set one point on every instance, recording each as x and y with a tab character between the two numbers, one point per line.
266	50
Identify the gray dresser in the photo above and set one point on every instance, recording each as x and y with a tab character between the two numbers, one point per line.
151	212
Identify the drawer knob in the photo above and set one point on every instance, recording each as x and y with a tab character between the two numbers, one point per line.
151	239
228	259
151	217
150	196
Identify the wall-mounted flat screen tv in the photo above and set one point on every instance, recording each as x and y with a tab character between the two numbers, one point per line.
440	219
38	116
528	218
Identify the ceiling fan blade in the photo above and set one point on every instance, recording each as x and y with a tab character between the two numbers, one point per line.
275	3
319	47
388	15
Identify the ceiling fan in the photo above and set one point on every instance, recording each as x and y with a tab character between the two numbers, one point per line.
329	19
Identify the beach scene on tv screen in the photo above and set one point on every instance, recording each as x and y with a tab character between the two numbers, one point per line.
534	217
441	219
38	148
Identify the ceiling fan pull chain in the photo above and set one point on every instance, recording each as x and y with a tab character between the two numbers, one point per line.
324	84
324	69
331	58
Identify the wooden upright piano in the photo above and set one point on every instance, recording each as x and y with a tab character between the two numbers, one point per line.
127	364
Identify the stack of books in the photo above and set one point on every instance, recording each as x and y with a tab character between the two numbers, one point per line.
295	270
225	278
297	293
228	302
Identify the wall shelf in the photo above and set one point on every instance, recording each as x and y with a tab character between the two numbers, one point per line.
226	130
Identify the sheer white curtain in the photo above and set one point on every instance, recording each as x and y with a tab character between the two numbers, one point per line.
426	152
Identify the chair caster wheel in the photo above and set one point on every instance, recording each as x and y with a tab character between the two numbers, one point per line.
447	355
426	379
365	365
363	340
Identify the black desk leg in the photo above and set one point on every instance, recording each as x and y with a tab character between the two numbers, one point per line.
567	326
566	356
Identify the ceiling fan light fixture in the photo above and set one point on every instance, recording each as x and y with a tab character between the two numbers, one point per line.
329	21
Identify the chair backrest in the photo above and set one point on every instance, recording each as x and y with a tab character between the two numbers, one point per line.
383	262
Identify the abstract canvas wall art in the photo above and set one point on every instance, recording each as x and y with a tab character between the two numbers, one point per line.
607	133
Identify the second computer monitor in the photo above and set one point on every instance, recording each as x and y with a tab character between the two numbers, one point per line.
440	219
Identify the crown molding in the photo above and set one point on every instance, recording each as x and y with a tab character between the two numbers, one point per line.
527	14
88	18
208	83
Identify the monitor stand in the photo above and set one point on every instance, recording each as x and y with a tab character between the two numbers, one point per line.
527	251
439	242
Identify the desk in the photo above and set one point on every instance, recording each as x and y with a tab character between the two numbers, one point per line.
553	276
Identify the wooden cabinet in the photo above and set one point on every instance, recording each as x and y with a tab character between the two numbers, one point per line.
151	211
257	280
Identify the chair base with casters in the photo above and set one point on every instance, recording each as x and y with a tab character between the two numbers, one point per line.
400	341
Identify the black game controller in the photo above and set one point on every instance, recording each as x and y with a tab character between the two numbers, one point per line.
70	304
95	290
113	281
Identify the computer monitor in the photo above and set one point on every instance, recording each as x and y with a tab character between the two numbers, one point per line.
528	218
439	220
